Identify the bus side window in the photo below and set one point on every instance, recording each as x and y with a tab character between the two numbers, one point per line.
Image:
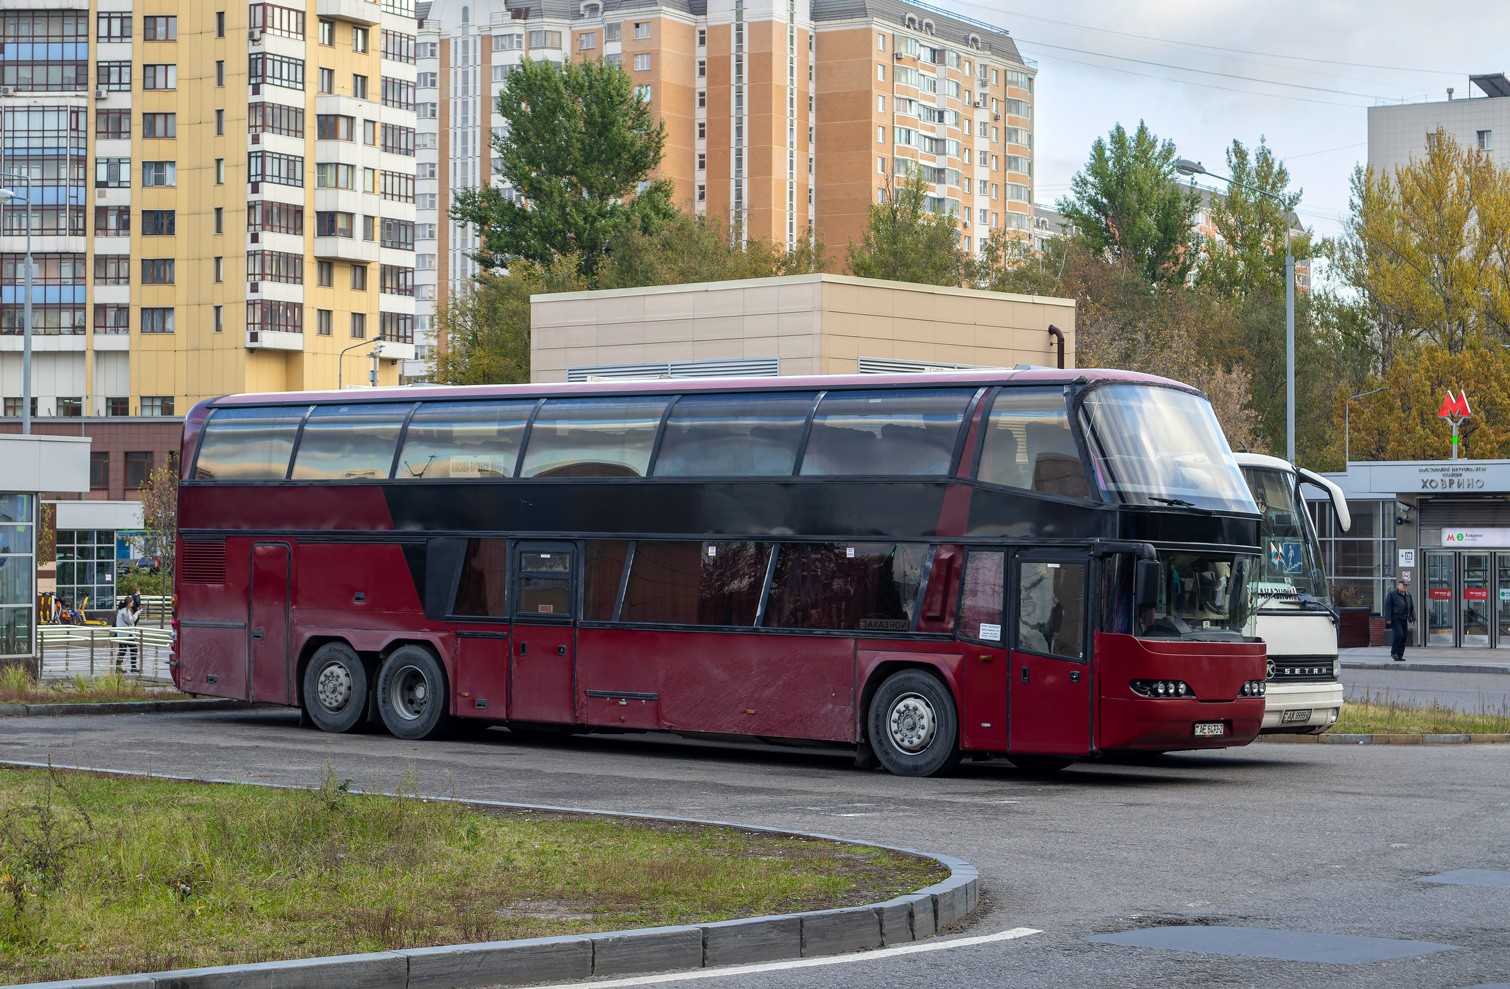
602	570
846	586
981	600
483	590
248	444
901	432
1029	444
738	435
349	442
680	583
463	439
593	437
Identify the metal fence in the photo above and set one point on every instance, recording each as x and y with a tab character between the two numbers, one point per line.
141	652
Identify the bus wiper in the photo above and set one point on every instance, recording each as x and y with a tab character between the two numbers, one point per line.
1179	503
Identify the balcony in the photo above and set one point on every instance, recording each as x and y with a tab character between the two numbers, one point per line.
260	339
354	11
346	249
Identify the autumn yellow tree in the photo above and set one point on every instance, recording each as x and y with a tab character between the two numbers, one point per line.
1401	423
1428	248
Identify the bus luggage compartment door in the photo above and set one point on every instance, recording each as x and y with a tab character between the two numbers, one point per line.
542	662
482	677
267	624
1050	694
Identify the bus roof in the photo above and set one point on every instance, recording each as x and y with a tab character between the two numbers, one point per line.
676	386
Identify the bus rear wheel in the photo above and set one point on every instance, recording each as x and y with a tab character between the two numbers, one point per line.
335	688
914	730
412	694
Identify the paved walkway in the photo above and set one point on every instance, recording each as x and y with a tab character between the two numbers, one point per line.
1435	660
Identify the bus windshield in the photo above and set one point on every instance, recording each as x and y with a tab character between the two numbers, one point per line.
1291	567
1162	446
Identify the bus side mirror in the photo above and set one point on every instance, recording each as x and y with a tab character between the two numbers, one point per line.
1146	584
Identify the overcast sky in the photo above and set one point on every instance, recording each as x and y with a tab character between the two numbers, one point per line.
1351	55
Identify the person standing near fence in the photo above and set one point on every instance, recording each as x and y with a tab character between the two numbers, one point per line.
125	617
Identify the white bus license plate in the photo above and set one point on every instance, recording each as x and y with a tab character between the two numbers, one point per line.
1290	716
1210	728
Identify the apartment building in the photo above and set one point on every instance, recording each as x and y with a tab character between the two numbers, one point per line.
782	116
1398	132
222	199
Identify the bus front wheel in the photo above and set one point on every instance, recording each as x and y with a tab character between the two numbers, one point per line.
914	730
335	688
412	694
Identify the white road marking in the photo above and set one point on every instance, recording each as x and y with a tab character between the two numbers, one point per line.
880	954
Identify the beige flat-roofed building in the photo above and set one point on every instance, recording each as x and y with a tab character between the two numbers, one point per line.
799	324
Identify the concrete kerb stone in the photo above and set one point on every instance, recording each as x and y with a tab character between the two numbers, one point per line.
126	707
1426	667
1333	738
912	916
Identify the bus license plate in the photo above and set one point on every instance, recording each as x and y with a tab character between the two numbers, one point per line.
1290	716
1210	728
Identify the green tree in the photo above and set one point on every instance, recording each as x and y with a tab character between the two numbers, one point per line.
1127	204
696	249
577	147
485	332
160	520
905	241
1428	248
1400	423
1251	227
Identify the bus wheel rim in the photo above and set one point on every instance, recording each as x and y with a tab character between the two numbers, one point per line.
410	693
333	687
912	723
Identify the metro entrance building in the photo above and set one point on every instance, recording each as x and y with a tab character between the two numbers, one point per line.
1446	524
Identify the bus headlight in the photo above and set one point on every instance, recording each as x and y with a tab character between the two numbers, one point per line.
1254	688
1161	688
1337	668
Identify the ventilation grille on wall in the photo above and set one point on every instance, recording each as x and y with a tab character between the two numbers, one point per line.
744	367
202	562
885	365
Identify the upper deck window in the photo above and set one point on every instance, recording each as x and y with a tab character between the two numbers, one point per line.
348	442
593	437
247	444
1029	444
1162	446
885	432
463	439
751	435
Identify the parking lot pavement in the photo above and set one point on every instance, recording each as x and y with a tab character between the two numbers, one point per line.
1278	843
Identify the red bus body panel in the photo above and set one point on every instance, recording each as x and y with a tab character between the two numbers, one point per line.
1215	672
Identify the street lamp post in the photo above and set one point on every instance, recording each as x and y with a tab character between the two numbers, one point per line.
1187	167
341	360
6	196
1347	425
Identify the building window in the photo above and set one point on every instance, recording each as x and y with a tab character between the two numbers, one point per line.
219	316
112	269
158	222
587	41
359	277
880	165
702	161
156	405
111	125
327	32
327	80
157	320
702	130
220	171
399	47
220	219
99	470
881	134
1486	140
359	87
325	273
220	72
880	42
702	193
358	324
275	266
220	24
642	62
702	68
642	30
275	70
219	123
702	97
118	406
642	93
139	463
880	73
69	408
324	318
359	39
219	268
159	28
158	174
113	77
113	27
112	319
702	38
112	173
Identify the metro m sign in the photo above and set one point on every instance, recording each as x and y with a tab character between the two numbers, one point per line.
1455	406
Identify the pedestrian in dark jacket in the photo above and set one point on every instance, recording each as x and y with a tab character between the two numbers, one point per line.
1399	611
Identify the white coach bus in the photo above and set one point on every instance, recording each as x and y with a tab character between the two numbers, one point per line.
1292	609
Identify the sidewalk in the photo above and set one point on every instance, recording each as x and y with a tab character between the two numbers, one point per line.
1435	660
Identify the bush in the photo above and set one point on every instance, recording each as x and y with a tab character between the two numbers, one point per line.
142	583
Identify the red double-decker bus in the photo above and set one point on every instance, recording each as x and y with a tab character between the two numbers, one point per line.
1045	564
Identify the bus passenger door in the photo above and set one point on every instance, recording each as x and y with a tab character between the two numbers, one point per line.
1051	694
542	663
267	624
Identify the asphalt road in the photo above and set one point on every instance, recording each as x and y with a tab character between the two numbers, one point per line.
1473	693
1307	838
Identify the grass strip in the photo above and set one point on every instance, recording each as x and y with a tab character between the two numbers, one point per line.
1383	714
18	686
109	875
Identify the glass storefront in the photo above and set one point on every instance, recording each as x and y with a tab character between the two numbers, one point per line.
18	573
86	567
1359	563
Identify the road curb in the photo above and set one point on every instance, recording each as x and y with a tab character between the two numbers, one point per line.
1425	667
125	707
1331	738
573	957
